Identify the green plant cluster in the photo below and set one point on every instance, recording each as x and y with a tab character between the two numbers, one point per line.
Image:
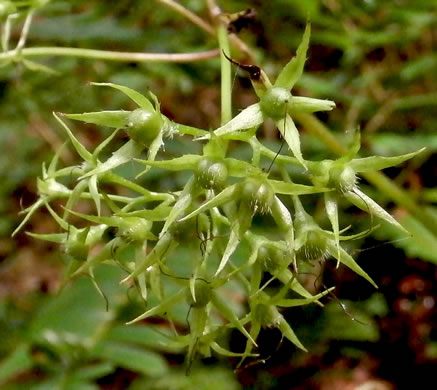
142	229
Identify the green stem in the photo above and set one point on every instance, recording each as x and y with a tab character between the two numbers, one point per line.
226	82
110	55
378	179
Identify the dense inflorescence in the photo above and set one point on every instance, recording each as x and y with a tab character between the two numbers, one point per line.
212	215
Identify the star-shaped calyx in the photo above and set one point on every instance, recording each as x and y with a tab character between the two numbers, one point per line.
276	101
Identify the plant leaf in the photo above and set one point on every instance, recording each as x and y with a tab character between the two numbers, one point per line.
231	246
309	105
139	99
348	261
123	155
239	168
281	187
180	206
376	163
248	118
80	149
365	203
164	306
153	151
289	132
227	312
132	358
331	208
187	161
303	301
225	196
59	238
30	212
288	332
116	119
94	191
294	69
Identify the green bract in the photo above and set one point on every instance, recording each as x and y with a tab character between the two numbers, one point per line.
207	222
277	103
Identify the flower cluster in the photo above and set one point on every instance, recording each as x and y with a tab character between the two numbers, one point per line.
212	215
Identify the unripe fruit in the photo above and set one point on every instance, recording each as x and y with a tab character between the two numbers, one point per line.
274	103
343	178
77	250
273	259
190	229
257	194
135	228
315	247
143	126
202	293
211	174
267	315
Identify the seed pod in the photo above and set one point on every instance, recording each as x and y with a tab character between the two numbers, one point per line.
267	315
188	231
144	125
77	249
274	103
343	178
273	259
135	229
211	173
314	248
257	194
202	294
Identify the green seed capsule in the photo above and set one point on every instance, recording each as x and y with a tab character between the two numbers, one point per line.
190	230
135	229
77	250
273	259
202	294
257	194
315	247
343	178
274	103
143	126
211	174
267	315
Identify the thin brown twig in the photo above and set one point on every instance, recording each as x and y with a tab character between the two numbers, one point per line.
192	17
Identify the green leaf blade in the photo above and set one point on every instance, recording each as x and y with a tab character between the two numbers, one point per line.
294	69
115	119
